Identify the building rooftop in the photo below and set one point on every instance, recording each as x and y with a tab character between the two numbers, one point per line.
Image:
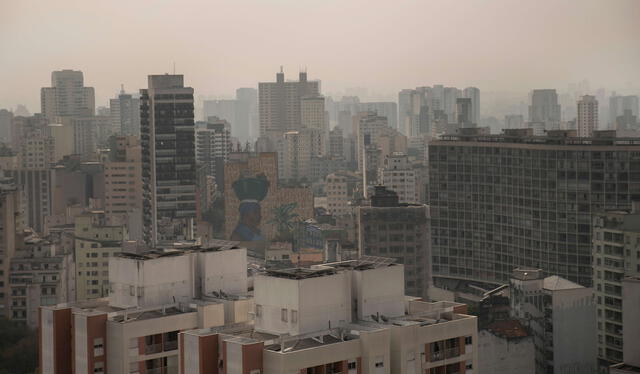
211	246
624	368
556	283
565	138
363	263
508	329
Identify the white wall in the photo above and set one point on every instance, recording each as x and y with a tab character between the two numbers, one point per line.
500	355
151	282
223	270
320	302
380	290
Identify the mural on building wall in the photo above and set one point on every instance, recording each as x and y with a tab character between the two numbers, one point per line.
250	191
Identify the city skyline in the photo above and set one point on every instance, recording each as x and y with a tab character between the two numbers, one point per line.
476	52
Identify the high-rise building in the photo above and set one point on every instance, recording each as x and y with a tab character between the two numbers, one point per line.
10	207
498	203
125	114
123	184
382	108
400	231
67	96
280	103
168	159
413	113
561	316
6	118
36	186
398	175
618	105
464	112
313	117
37	151
513	121
340	188
95	241
247	114
473	93
367	126
545	108
336	143
615	256
213	145
587	121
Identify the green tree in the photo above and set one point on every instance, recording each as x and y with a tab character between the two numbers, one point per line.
18	348
283	218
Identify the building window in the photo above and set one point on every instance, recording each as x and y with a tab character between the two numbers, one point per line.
352	365
258	310
283	315
294	316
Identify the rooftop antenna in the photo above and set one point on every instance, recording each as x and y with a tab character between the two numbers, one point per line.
121	88
281	69
174	68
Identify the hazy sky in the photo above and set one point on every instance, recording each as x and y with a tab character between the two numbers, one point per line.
383	45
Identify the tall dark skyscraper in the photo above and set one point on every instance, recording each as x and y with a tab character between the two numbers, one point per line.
168	159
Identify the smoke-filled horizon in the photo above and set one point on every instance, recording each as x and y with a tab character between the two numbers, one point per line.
383	46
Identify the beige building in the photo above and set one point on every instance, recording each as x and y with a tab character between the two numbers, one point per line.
631	321
37	151
67	96
314	117
398	174
587	121
279	104
95	241
123	184
340	188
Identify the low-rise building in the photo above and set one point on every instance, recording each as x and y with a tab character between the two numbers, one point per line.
345	317
561	316
631	327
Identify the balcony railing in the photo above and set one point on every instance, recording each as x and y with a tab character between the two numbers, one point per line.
170	345
163	370
153	348
446	353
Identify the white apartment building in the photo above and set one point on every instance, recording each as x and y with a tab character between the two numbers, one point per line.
631	323
587	121
156	295
398	174
347	317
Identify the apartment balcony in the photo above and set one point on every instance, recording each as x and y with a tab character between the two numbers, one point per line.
152	348
163	370
170	345
444	354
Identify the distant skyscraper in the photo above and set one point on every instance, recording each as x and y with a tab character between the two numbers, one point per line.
168	159
213	145
386	109
618	105
413	116
545	108
5	125
587	120
279	104
513	121
464	112
246	114
67	96
125	114
313	117
473	93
